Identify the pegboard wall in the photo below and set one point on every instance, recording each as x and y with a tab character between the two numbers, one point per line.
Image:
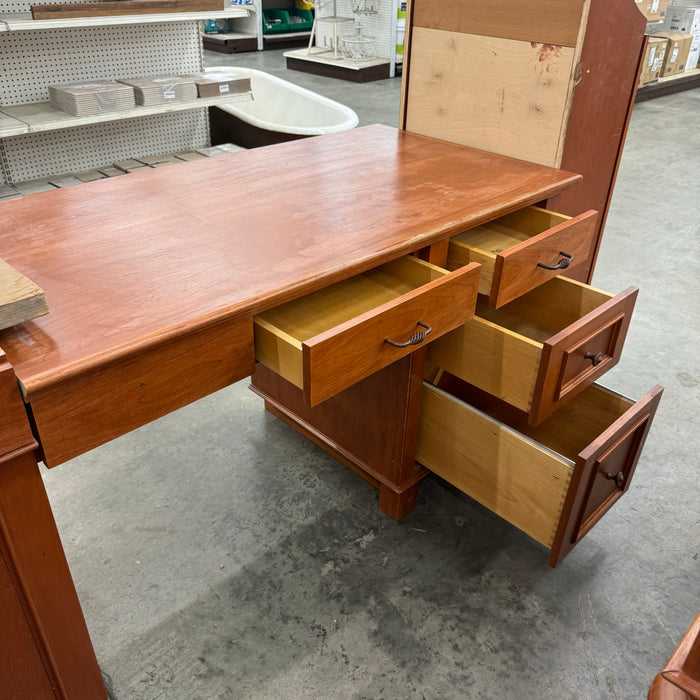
27	5
30	61
381	26
32	156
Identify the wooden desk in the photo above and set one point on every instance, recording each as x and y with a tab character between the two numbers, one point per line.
152	282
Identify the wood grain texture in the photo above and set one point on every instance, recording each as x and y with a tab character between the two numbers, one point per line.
555	22
77	415
591	494
518	269
565	371
131	245
370	427
16	434
494	358
512	476
54	637
680	678
606	85
123	7
338	358
20	299
501	95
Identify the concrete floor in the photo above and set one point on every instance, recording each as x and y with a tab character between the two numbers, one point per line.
218	554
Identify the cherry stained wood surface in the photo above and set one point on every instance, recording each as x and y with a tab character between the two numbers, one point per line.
605	91
16	433
680	678
53	634
554	22
133	261
371	426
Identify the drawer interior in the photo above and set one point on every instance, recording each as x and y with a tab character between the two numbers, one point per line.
567	432
483	243
545	310
486	448
280	332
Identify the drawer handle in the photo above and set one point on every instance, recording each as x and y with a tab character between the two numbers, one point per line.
561	265
595	359
619	478
416	339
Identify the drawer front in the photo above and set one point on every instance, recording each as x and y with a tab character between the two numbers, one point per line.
553	481
531	263
76	415
574	358
342	356
603	473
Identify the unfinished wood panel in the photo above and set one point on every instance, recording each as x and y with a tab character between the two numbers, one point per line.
505	96
554	22
502	362
510	475
20	299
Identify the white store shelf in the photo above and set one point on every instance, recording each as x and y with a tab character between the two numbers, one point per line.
22	21
42	117
9	126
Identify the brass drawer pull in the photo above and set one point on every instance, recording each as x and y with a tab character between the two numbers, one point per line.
618	478
595	359
561	265
416	339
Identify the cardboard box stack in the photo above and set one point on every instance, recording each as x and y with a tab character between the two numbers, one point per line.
92	98
686	19
160	90
653	10
677	51
653	59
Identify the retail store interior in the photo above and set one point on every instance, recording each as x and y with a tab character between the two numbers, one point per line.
243	562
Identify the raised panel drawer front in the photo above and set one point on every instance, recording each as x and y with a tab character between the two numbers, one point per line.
542	349
553	481
522	250
331	339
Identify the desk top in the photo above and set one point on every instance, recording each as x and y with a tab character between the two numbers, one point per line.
130	262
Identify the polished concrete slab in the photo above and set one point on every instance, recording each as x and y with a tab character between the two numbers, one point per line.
219	555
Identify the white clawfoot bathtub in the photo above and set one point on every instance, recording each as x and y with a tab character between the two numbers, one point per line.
279	111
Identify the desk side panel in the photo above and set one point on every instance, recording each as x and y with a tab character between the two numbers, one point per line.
78	414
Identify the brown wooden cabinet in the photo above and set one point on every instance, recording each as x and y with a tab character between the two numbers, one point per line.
549	81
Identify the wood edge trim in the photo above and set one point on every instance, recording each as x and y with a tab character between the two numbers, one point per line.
543	407
575	67
613	179
406	67
570	516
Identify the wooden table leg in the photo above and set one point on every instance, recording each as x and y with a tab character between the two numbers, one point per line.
45	649
49	653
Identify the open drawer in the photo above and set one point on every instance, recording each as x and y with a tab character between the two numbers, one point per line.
542	349
331	339
554	481
522	250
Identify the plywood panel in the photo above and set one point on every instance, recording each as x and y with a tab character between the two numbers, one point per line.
509	97
554	22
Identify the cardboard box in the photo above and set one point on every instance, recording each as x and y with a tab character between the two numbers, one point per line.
687	21
653	10
653	59
216	84
677	52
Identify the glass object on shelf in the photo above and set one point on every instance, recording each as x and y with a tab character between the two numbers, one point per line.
358	48
365	7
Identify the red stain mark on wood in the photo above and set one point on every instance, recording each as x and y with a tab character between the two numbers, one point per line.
546	50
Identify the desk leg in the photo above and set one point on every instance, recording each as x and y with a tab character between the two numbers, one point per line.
45	648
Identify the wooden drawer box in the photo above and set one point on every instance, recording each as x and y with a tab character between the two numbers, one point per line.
522	250
331	339
554	481
543	348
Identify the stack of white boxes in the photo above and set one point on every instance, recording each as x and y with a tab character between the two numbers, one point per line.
684	16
